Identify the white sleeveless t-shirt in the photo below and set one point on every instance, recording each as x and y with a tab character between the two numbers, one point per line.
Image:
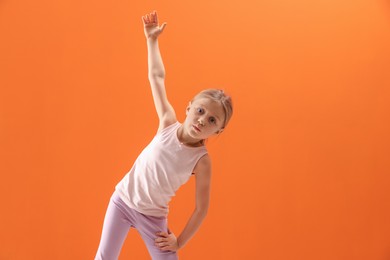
161	168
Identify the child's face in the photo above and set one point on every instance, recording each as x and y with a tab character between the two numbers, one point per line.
205	117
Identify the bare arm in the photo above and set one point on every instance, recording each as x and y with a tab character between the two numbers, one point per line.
203	178
156	71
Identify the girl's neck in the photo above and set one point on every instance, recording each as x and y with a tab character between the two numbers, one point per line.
186	139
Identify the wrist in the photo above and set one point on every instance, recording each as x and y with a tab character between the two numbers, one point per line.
151	38
179	243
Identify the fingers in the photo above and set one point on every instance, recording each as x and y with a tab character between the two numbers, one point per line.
161	242
150	18
145	19
162	234
166	242
154	16
161	239
166	248
163	26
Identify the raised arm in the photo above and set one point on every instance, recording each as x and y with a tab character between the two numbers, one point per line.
156	71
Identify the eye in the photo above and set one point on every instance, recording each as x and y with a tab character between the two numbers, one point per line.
199	110
213	120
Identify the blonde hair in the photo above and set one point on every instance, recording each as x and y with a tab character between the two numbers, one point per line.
220	96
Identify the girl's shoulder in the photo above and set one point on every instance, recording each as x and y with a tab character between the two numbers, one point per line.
167	123
166	128
203	165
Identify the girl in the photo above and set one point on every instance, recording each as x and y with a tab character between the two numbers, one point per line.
178	150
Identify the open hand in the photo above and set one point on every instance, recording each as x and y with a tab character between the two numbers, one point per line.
151	27
166	242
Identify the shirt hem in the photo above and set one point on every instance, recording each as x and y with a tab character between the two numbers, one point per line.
125	200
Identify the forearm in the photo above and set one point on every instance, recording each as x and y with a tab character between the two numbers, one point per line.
192	226
155	63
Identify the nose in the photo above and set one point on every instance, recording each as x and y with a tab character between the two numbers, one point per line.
200	121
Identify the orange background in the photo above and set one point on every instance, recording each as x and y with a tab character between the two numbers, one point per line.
302	171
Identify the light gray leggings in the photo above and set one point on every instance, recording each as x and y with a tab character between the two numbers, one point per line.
117	223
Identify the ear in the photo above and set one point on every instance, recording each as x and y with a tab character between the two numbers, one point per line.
220	131
188	107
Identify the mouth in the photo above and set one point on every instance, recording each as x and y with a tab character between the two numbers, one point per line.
196	128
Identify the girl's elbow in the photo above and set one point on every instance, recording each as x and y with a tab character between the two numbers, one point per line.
156	74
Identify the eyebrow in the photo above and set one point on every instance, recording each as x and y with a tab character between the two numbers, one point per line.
217	117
